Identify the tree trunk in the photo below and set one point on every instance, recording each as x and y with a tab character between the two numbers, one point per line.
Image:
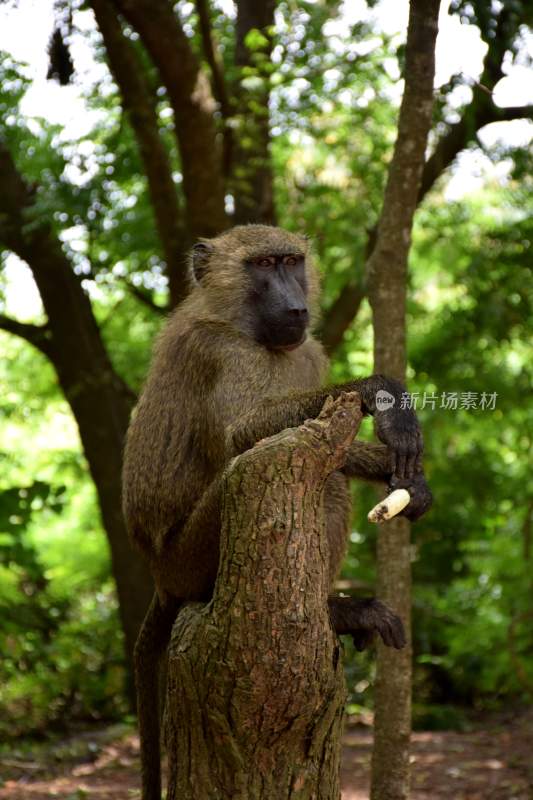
193	105
101	405
100	401
387	283
479	112
256	688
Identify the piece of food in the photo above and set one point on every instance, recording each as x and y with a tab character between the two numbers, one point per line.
390	506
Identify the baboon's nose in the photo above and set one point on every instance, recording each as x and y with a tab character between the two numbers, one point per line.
298	313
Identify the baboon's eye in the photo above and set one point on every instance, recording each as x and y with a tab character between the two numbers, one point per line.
266	261
290	261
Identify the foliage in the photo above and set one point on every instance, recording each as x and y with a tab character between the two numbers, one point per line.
333	124
60	642
472	567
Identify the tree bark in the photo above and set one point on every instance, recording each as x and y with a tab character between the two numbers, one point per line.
256	689
346	306
100	401
139	103
251	166
387	284
193	105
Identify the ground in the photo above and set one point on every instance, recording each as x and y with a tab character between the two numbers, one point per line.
494	761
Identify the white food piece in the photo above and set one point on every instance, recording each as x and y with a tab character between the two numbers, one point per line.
390	506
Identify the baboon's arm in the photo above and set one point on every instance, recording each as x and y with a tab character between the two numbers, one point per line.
396	427
368	461
273	415
397	462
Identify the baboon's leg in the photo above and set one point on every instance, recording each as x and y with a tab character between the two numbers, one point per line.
359	618
187	563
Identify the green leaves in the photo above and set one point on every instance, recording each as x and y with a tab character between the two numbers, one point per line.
255	40
333	112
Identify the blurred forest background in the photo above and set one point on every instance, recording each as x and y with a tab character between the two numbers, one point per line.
123	175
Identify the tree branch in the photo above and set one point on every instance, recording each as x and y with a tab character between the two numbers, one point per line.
37	335
213	58
193	106
482	109
387	265
346	306
144	297
220	91
140	105
77	346
480	112
100	400
387	290
514	112
253	185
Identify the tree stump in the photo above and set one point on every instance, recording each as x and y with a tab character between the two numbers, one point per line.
256	687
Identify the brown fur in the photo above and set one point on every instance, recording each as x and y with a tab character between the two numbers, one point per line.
213	391
206	374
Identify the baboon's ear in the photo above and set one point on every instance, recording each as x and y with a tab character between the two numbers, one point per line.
201	253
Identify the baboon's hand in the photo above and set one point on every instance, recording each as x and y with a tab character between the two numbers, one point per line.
362	619
398	428
421	497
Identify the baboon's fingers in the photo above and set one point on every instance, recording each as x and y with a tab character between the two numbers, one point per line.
362	639
401	461
392	632
399	639
410	465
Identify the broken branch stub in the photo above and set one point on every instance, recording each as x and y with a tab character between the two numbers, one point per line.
256	686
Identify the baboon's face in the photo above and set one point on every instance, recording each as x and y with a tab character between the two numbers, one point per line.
278	298
260	279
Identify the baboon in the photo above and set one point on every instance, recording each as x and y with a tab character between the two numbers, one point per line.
236	363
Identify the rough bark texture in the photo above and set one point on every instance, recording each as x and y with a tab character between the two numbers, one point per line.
251	162
139	102
193	105
256	688
387	284
99	399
